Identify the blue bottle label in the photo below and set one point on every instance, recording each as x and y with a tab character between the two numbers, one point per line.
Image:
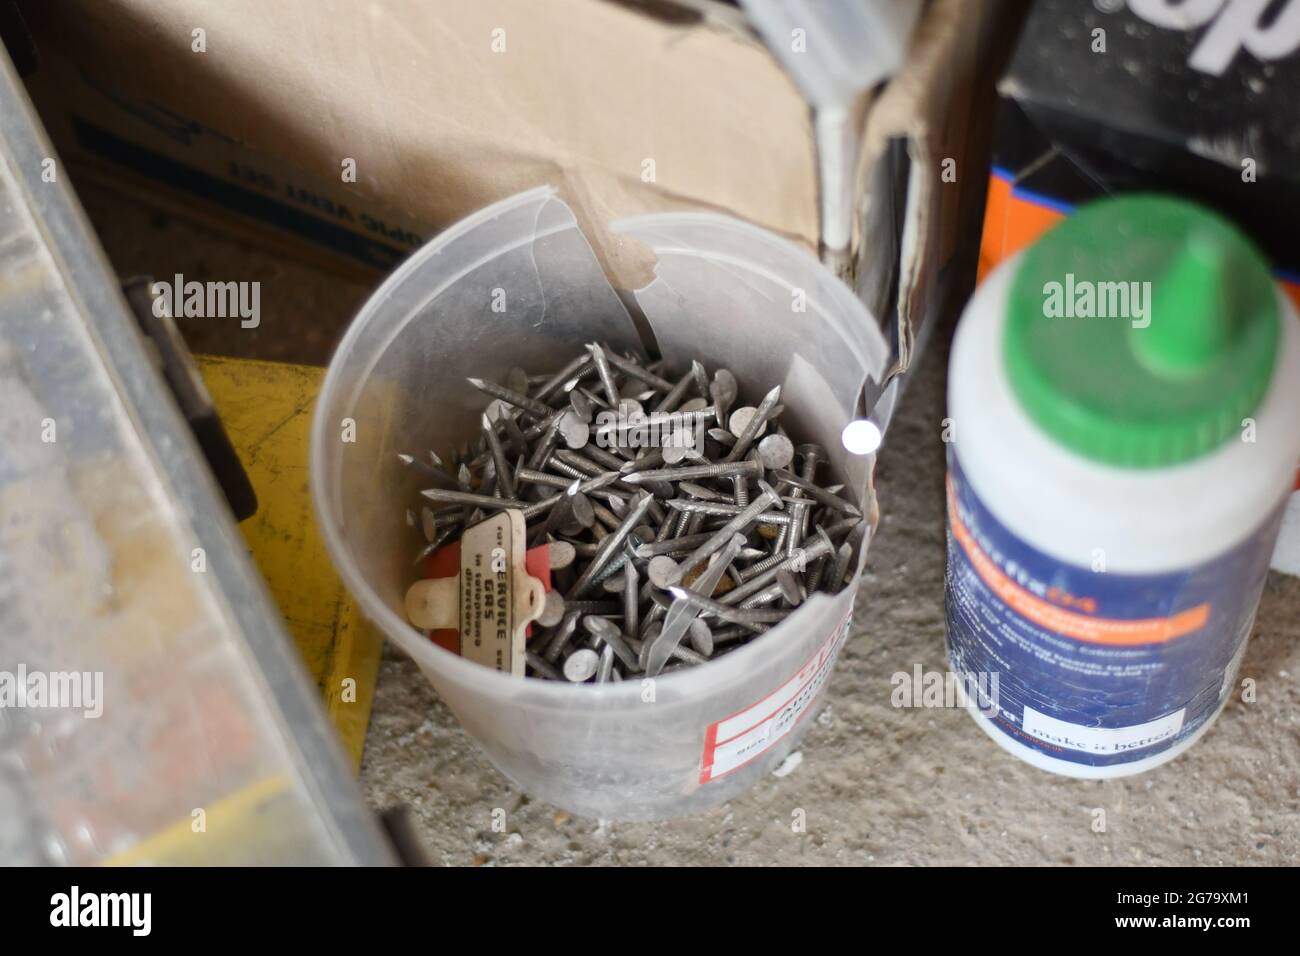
1085	665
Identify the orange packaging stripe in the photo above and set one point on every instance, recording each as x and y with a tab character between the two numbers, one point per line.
1010	224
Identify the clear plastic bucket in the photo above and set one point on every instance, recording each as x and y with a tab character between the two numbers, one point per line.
517	285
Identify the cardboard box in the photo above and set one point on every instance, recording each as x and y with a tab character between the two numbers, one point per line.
444	108
255	113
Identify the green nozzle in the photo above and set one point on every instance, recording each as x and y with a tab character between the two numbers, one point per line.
1195	301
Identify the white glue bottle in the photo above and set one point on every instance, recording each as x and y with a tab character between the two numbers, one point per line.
1125	405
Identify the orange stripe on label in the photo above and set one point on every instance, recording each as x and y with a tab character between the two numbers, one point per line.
1081	627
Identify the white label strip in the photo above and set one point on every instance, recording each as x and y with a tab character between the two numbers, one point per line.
1286	556
736	740
1101	740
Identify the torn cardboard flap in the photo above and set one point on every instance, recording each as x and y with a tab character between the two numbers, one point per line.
916	210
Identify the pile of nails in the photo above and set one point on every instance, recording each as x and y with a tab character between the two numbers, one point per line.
679	526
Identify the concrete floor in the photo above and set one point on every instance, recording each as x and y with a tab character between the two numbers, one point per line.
878	785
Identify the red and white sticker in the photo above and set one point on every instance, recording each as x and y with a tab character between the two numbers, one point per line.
734	741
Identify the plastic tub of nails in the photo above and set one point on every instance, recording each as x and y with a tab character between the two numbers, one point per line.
517	287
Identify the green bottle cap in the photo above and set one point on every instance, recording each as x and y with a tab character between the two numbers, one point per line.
1141	331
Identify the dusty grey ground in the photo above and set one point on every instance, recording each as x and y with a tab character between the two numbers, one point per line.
879	785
